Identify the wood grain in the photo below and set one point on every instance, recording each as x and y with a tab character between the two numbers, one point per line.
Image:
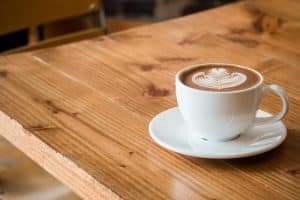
280	8
81	111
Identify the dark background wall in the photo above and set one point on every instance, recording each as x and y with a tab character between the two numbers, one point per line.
155	10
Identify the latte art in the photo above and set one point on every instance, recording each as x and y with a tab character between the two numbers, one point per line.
218	78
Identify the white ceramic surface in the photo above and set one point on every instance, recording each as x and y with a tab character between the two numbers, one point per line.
221	116
169	130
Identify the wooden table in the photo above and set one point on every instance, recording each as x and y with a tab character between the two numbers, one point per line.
81	111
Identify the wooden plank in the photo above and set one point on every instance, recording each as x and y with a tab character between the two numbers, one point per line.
86	108
123	144
115	24
281	8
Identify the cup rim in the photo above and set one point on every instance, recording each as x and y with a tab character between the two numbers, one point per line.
190	67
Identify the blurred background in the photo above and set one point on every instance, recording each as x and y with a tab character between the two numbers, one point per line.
157	10
34	24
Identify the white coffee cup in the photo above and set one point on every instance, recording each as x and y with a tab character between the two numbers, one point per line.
222	116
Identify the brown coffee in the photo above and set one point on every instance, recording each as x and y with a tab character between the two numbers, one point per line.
220	78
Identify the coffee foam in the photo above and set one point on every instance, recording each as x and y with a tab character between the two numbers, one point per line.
218	78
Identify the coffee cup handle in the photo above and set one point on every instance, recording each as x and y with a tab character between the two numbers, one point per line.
276	89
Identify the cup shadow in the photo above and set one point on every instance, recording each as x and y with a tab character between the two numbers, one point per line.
287	152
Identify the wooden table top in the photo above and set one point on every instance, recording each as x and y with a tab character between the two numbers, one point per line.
81	111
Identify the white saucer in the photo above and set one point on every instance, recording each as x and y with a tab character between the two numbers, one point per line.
168	129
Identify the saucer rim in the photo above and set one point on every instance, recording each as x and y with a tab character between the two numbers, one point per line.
218	155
